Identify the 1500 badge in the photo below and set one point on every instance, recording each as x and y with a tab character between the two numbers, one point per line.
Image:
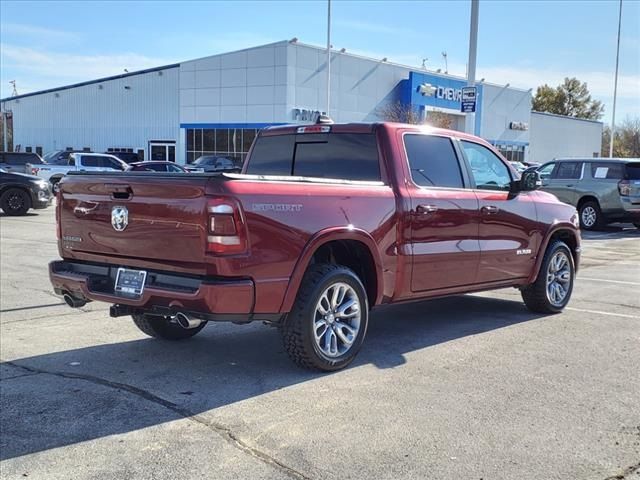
523	251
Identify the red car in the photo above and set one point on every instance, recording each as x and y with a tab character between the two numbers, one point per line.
324	223
156	167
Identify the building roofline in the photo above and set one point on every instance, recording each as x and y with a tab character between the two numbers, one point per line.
91	82
567	117
272	44
408	67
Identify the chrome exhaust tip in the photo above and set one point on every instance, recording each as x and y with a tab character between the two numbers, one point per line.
187	321
73	301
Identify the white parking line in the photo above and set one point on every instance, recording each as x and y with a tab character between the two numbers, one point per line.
610	314
609	281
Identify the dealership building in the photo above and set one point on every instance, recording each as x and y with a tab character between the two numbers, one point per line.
215	105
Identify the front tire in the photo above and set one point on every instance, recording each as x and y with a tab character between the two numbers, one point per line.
163	327
328	322
590	216
551	291
15	201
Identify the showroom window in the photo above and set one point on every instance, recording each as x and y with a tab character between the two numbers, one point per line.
231	143
513	153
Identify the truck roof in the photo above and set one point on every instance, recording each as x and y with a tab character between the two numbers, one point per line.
364	127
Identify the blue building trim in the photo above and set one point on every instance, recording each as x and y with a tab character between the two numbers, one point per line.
229	125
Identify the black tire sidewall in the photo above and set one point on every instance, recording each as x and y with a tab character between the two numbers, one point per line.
323	362
559	246
4	202
160	327
598	221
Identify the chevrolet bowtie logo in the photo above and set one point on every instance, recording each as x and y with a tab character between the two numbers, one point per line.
427	90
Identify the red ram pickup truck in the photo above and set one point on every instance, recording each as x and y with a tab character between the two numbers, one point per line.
323	223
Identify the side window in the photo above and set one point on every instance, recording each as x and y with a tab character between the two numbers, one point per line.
112	163
13	159
547	170
489	172
608	170
432	161
568	170
90	161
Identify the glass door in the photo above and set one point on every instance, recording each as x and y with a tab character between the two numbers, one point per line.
162	152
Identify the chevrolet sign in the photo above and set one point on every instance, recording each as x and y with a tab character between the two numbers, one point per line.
444	93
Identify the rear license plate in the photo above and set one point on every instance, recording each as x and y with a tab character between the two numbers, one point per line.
130	283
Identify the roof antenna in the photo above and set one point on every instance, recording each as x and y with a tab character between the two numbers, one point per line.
15	90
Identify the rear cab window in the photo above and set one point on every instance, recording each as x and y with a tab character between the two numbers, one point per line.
342	156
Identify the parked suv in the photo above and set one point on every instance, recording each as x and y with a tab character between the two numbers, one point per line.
604	190
323	223
19	192
20	162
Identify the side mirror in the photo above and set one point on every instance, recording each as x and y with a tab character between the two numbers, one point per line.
529	181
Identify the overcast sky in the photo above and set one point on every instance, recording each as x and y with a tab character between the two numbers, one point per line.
524	43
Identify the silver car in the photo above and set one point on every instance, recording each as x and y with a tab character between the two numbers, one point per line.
604	190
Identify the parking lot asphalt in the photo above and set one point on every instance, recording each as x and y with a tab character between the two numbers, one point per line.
466	387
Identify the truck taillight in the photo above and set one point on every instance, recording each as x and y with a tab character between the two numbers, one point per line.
624	187
58	226
226	231
32	169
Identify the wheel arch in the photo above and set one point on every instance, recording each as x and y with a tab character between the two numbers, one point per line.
343	246
587	198
19	186
565	232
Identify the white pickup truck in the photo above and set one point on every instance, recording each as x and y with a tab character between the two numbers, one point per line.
79	162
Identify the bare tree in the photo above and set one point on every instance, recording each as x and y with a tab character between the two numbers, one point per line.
399	112
439	120
403	113
627	139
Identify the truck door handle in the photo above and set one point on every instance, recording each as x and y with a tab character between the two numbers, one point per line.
490	209
570	185
426	209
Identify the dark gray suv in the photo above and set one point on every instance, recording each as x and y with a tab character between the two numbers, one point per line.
604	190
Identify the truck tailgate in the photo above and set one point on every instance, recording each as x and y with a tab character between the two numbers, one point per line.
148	216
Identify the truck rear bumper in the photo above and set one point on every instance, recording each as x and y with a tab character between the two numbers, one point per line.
164	292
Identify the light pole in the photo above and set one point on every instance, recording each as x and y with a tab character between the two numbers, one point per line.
328	56
470	119
615	87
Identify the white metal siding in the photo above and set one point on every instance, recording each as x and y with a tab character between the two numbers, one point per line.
99	118
554	136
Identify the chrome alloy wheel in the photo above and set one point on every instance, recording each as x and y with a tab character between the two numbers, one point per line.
336	320
589	216
558	279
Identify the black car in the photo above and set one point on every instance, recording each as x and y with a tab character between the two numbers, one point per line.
20	162
213	163
156	167
20	192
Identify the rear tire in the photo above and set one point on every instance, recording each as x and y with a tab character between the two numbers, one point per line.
590	216
551	291
162	327
55	185
15	202
328	322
